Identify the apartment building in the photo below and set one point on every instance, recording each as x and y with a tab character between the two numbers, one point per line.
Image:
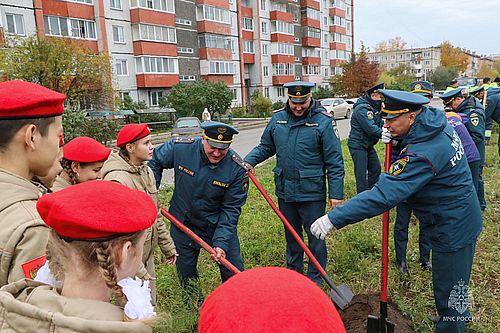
155	44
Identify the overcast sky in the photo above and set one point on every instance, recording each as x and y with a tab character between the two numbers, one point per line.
470	24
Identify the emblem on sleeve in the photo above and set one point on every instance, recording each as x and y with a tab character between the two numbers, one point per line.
474	120
398	166
369	114
30	268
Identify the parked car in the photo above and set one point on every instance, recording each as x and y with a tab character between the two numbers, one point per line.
98	114
338	107
187	126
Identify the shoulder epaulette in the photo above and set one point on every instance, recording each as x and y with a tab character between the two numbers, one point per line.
328	114
238	160
183	140
279	110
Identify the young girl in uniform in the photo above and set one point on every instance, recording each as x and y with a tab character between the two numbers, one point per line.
95	248
128	167
83	158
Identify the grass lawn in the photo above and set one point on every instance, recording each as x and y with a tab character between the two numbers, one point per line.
353	258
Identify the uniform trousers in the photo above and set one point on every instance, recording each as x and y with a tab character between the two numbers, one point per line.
366	167
301	216
450	281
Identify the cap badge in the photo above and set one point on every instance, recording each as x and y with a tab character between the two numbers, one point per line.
297	93
220	137
418	86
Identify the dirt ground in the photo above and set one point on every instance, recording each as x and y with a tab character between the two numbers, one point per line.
356	314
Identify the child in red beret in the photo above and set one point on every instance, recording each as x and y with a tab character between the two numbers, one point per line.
95	248
30	131
129	167
83	158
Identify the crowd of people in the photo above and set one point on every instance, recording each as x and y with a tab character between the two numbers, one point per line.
81	222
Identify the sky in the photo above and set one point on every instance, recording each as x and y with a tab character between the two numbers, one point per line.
470	24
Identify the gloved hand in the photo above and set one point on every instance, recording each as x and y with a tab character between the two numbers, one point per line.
321	227
386	135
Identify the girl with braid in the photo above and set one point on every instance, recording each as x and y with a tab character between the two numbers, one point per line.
94	251
83	158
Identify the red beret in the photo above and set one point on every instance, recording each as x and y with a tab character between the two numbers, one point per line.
97	210
131	133
85	149
269	299
21	99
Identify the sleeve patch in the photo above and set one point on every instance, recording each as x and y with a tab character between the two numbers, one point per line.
369	114
398	166
30	268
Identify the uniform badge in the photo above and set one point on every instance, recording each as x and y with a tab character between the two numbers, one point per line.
281	122
474	119
398	166
220	184
220	137
369	114
186	170
418	86
30	268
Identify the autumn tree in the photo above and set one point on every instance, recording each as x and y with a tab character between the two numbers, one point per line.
393	44
453	57
486	71
359	74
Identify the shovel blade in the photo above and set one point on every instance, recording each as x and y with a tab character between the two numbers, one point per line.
378	325
341	295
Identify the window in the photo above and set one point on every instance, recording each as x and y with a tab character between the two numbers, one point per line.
215	41
115	4
281	92
124	94
265	71
157	65
283	69
247	23
280	7
264	27
311	70
160	5
248	46
215	14
182	21
313	13
121	67
282	48
81	1
326	71
118	35
157	33
69	27
266	92
15	24
184	50
282	27
221	67
154	97
265	49
263	4
312	32
187	77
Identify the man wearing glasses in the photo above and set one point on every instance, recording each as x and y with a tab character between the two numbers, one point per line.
305	140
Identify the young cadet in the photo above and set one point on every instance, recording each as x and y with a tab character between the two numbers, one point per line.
83	158
304	138
433	176
129	167
366	130
94	249
475	122
210	189
30	131
46	182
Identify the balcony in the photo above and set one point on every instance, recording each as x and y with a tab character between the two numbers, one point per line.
279	80
336	12
226	78
156	80
309	22
310	3
281	16
311	42
311	61
154	48
141	15
338	29
337	46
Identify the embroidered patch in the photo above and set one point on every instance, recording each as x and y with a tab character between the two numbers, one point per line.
281	122
220	184
30	268
398	166
369	114
311	124
474	119
186	170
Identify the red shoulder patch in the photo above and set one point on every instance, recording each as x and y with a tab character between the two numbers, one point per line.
30	268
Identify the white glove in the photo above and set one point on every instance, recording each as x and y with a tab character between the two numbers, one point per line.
386	135
321	227
138	294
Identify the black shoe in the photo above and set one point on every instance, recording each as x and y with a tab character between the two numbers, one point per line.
426	265
402	267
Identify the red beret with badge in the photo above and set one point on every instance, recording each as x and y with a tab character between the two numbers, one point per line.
21	100
131	133
269	299
97	210
86	150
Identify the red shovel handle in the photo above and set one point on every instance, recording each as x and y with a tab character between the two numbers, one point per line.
198	239
385	234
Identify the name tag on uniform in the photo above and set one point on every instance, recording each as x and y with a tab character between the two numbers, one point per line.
282	122
186	170
311	124
220	184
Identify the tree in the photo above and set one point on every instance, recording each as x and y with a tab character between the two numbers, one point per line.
190	99
62	65
323	92
486	71
496	67
453	57
359	74
393	44
262	106
442	76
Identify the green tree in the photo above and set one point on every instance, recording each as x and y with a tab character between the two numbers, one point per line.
62	65
262	106
442	76
400	77
359	74
323	92
190	99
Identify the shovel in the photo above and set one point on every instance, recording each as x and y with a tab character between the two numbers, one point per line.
198	240
340	295
382	324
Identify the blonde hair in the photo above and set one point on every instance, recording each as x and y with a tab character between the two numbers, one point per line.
92	255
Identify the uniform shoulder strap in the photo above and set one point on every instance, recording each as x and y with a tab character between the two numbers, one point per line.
238	160
184	140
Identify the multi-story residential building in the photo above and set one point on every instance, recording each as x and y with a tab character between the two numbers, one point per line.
422	61
154	44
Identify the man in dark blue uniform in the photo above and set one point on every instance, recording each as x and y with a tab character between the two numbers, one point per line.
210	189
432	174
492	105
366	130
304	137
475	122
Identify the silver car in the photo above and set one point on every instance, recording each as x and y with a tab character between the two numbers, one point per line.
187	126
338	107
